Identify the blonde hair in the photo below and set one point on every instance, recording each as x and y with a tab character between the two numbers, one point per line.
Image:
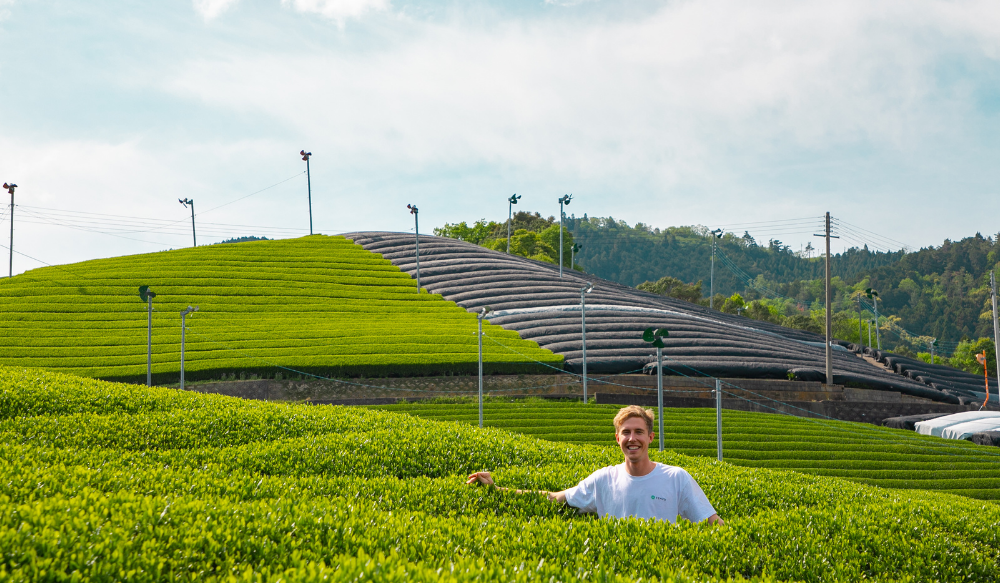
626	413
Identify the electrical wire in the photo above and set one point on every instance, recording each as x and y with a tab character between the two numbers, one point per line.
98	222
846	224
104	223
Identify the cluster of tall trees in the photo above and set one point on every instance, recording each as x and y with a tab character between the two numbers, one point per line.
532	236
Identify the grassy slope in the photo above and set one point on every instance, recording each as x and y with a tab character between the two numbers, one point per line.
104	482
319	304
856	451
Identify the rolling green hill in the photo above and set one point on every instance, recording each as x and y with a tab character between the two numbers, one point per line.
858	452
108	482
318	304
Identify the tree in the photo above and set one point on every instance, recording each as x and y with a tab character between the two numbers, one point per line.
672	287
733	304
964	356
759	310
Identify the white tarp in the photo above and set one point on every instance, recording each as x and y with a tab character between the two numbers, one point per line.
965	430
937	426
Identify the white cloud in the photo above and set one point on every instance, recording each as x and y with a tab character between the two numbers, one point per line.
700	98
209	9
338	10
5	9
701	111
677	85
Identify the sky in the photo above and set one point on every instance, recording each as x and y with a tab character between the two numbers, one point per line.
757	116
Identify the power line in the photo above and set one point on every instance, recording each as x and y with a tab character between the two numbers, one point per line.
253	193
124	224
872	233
98	222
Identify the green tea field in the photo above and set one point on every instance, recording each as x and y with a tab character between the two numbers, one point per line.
108	482
857	452
319	304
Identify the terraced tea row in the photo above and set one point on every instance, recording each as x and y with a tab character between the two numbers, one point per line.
103	481
321	305
858	452
531	298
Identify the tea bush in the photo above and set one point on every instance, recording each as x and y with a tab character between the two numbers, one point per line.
858	452
108	482
321	305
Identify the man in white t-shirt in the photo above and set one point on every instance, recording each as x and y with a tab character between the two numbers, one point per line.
639	487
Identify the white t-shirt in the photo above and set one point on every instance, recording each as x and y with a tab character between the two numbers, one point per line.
662	494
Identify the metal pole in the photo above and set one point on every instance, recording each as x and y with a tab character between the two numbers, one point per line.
583	326
869	333
11	232
510	218
829	309
560	237
481	370
194	235
416	234
711	279
718	418
310	187
183	314
149	341
932	350
861	339
10	188
996	323
878	338
659	392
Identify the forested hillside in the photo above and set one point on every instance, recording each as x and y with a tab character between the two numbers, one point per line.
935	293
611	249
631	255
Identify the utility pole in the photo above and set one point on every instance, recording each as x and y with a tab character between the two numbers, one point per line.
572	255
482	314
996	324
861	339
711	279
510	217
186	202
564	199
305	156
416	232
184	313
10	188
147	296
873	295
934	341
878	334
829	305
583	326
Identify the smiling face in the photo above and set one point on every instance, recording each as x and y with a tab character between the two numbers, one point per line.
633	438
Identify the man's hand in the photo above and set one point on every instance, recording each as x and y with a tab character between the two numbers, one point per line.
714	519
483	478
486	479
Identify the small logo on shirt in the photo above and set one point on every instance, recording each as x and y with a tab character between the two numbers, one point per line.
654	497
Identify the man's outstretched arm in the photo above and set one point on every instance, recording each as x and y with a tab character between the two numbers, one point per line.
714	519
487	480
